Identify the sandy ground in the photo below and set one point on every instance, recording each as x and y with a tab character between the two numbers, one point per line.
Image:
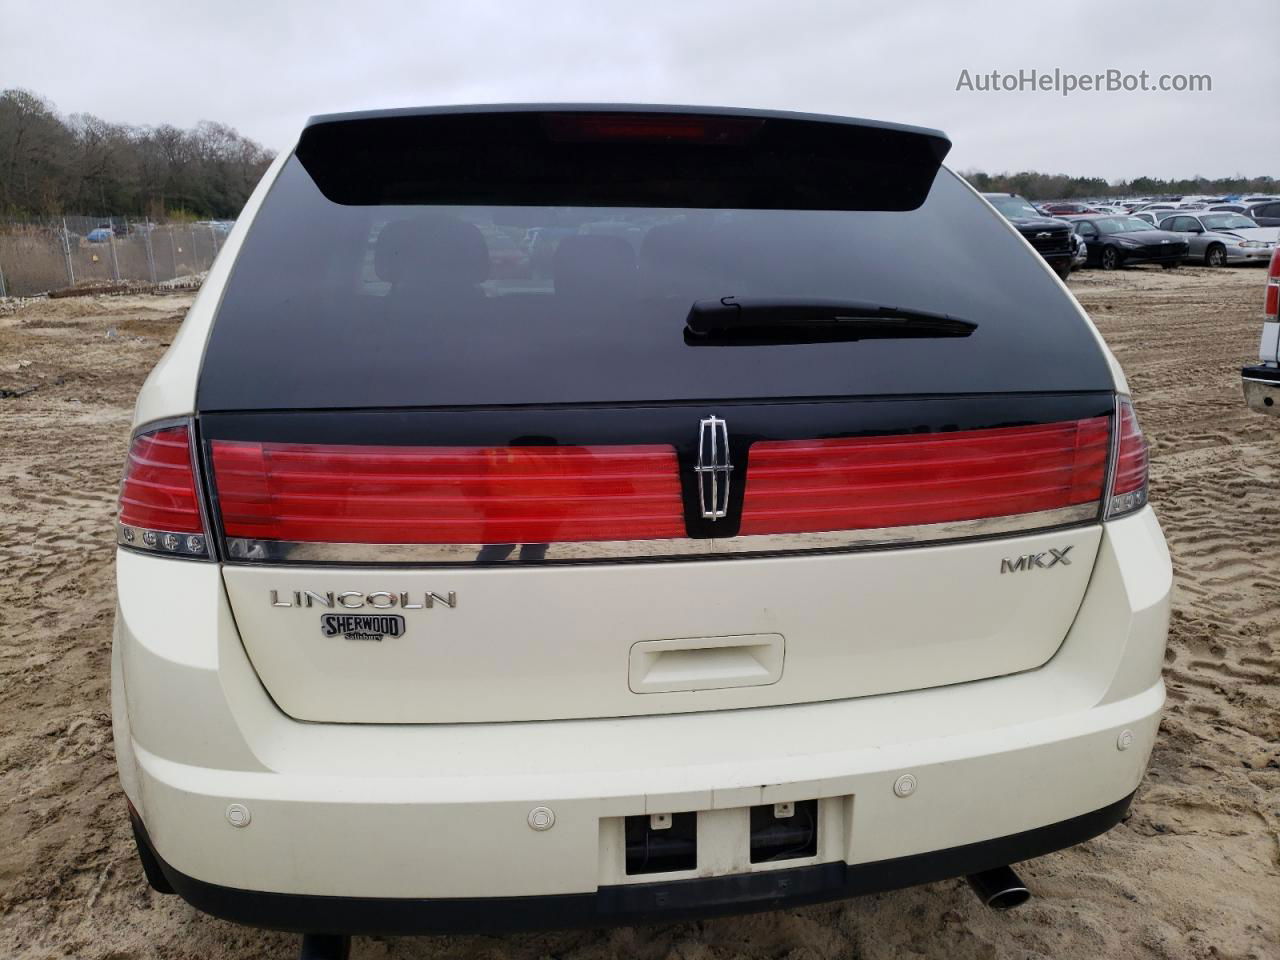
1193	873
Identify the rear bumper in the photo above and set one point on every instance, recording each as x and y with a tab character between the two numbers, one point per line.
667	901
1262	389
1249	254
407	828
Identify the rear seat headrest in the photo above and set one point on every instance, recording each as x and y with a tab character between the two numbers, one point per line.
671	245
432	248
592	264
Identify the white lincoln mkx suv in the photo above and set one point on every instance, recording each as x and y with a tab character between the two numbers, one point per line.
777	533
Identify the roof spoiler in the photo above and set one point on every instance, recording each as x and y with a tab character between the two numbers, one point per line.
620	156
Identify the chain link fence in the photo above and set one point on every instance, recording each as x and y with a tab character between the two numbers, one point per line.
37	256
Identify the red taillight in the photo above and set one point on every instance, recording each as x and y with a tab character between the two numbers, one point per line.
1129	485
1272	305
439	495
159	503
868	483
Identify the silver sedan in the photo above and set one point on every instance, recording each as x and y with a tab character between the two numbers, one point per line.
1217	239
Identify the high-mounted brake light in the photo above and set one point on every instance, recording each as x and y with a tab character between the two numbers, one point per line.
875	482
1271	306
1129	479
326	493
650	128
159	502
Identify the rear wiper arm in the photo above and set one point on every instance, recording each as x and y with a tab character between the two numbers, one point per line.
754	321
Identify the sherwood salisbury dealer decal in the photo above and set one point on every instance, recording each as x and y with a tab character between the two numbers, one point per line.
362	626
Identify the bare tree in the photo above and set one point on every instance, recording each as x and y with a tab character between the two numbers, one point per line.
49	164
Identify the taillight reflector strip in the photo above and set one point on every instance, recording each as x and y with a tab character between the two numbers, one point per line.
329	493
877	482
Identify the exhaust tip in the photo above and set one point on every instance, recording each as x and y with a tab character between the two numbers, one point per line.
999	888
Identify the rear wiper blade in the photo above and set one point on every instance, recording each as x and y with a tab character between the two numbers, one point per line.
755	321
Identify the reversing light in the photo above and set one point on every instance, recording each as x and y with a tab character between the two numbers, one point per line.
1129	475
159	502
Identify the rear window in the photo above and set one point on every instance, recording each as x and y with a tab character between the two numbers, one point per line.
358	290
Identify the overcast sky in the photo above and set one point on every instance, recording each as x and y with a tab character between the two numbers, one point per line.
263	66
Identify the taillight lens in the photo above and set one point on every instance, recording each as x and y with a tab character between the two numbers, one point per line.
317	493
1129	483
1271	306
874	482
159	502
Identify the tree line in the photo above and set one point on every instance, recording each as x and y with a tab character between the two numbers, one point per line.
82	164
1043	186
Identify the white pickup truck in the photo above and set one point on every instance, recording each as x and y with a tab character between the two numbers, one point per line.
1262	382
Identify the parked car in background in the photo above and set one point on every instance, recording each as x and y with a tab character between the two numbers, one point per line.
1049	235
1118	241
1265	213
1066	209
1217	239
1261	382
99	235
1228	207
1152	217
218	226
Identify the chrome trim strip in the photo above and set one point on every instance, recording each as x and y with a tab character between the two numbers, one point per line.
151	426
240	549
1113	454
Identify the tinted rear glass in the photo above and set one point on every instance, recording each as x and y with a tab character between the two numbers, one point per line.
372	304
